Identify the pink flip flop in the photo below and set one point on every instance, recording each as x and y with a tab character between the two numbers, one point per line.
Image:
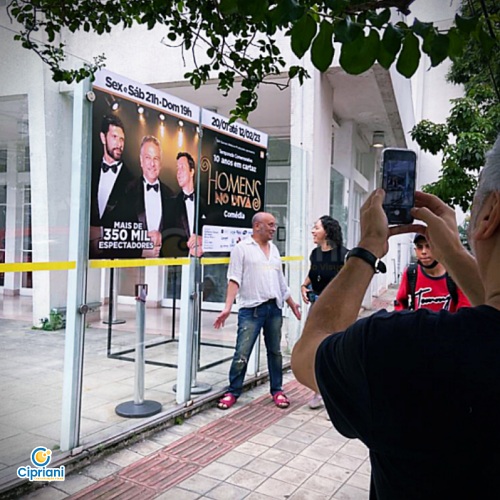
280	400
226	401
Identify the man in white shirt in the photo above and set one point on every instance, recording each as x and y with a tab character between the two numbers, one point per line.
109	180
255	274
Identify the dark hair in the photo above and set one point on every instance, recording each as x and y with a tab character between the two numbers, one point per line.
419	237
108	120
333	231
190	160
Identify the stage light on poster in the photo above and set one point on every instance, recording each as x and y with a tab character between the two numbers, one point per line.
180	134
161	117
140	109
112	103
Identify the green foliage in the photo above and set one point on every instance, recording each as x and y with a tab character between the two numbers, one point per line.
462	231
430	136
238	36
55	321
474	120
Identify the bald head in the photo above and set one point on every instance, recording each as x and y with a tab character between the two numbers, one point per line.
260	217
264	226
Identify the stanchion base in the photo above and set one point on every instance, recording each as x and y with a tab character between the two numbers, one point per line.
115	322
196	388
131	410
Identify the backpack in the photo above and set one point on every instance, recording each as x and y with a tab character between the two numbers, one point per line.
411	274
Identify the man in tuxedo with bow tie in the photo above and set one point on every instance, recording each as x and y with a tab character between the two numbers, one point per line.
150	199
187	243
109	180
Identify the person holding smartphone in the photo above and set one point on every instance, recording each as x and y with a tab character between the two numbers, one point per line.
326	260
421	389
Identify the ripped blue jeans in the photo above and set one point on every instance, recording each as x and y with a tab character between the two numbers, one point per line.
251	320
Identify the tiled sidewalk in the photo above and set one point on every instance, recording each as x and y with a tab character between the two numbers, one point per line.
253	451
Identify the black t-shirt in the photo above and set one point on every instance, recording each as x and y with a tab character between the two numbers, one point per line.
422	391
325	266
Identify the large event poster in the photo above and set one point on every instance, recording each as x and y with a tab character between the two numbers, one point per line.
146	199
232	180
137	205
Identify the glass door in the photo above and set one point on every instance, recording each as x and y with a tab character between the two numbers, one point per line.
26	278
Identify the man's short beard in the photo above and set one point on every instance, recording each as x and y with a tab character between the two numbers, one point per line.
111	154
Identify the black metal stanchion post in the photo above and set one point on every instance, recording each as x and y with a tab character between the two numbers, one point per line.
139	407
174	297
113	296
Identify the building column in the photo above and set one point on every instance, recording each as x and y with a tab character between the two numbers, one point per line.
310	139
38	135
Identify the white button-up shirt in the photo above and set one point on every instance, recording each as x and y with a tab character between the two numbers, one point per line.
259	278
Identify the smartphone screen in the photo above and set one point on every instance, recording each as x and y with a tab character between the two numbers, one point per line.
398	181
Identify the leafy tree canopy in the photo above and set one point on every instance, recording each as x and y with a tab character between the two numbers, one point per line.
474	121
239	36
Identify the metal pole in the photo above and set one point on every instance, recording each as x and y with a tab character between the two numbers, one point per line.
186	336
139	407
174	297
110	312
140	328
197	387
77	278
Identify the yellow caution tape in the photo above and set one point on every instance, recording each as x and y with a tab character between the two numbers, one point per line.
25	267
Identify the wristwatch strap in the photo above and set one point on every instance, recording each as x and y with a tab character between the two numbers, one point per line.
367	256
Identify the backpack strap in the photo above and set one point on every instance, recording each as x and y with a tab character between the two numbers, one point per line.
411	275
452	288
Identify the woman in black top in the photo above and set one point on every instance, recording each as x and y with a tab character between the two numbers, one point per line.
326	261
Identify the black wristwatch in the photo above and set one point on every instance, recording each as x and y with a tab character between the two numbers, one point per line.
367	256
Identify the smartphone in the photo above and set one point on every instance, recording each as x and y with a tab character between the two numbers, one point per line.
399	167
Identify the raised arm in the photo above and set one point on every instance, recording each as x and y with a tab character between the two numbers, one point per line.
338	305
441	232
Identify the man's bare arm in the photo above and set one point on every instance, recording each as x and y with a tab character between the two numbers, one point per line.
338	305
232	290
336	308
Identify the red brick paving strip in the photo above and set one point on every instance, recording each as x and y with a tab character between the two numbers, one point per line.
115	487
196	449
152	475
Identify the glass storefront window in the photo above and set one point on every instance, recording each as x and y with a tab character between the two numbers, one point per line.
339	200
26	280
24	159
277	204
3	160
